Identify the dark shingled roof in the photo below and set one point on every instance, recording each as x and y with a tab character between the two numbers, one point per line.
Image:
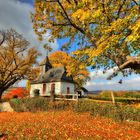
54	75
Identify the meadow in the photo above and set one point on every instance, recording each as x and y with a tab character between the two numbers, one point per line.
39	119
64	125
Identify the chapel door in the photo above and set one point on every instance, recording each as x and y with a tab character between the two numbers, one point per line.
44	88
53	89
68	90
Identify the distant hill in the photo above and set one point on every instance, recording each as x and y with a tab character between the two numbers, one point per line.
96	92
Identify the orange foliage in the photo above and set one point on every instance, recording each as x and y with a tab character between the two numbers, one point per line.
15	92
76	68
65	125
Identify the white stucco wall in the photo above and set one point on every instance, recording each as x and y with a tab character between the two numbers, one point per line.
60	88
64	86
35	86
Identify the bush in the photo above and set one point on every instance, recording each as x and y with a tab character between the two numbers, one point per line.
30	104
117	99
37	104
132	94
118	112
17	105
4	100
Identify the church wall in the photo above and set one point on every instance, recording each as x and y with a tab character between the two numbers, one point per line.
35	86
57	88
65	85
48	88
60	88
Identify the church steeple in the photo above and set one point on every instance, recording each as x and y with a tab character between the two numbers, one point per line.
47	64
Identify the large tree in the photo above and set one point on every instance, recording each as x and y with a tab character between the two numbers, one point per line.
16	59
106	31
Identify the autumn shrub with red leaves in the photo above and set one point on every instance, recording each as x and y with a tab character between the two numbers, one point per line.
15	93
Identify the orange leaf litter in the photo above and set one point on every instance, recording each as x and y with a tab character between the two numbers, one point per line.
64	125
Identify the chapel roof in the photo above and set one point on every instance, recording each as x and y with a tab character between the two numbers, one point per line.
58	74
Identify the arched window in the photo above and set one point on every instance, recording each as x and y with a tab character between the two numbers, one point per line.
68	90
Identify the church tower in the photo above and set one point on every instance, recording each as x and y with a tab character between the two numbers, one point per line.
45	66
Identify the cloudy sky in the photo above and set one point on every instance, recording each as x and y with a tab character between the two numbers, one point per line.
15	14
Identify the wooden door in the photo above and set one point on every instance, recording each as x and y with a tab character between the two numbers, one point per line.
53	88
68	90
44	88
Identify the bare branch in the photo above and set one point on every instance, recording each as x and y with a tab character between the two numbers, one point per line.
3	37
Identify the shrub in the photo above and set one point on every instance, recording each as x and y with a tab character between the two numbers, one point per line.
4	100
15	92
36	104
117	99
17	105
118	112
30	104
132	95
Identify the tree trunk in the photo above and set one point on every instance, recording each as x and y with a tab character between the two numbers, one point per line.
113	98
1	92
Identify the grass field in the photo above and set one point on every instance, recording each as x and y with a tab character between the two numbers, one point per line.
64	125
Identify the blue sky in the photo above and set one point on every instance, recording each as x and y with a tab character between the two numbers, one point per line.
15	14
27	1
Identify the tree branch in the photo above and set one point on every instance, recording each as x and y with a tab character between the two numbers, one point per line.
135	2
133	63
67	17
3	38
79	29
120	9
63	24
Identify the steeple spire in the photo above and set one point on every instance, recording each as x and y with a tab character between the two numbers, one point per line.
47	64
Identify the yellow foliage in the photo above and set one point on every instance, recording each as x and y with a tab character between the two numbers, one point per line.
94	27
75	68
16	59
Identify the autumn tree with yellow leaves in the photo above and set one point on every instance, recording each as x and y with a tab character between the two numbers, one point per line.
75	68
107	32
16	59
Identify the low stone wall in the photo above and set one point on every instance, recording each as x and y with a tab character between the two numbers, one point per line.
6	107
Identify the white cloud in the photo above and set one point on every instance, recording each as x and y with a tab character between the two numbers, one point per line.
99	82
100	74
16	15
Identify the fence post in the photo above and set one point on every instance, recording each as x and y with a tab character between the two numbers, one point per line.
113	98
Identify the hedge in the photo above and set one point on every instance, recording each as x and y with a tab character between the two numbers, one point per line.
117	111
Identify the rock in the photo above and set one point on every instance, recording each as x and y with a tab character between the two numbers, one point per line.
6	107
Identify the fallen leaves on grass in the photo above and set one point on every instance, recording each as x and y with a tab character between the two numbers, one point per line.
61	125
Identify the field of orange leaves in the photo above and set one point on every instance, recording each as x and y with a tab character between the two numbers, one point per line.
64	125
